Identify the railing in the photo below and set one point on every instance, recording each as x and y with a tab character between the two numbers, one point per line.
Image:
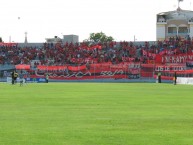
171	34
6	67
184	34
105	71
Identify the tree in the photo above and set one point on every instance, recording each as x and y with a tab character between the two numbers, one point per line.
100	37
1	39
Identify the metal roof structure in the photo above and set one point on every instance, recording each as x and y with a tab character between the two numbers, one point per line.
177	14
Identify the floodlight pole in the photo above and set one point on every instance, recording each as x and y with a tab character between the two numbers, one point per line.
10	39
134	38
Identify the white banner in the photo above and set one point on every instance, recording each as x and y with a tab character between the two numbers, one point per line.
9	80
183	80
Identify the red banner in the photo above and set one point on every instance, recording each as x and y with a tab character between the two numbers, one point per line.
148	54
50	68
8	44
181	58
77	68
166	68
109	71
22	66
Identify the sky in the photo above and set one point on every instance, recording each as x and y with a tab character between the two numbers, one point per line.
121	19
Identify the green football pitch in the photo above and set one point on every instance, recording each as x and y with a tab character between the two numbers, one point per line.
96	114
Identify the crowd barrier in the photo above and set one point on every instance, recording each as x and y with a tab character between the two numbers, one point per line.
9	80
104	71
27	80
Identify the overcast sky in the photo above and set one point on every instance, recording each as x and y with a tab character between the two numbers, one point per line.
121	19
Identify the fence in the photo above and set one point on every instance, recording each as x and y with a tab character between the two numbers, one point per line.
106	71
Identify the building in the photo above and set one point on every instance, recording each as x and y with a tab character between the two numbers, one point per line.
66	38
70	38
174	23
56	39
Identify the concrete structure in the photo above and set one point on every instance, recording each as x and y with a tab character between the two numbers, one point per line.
56	39
66	38
174	23
70	38
25	37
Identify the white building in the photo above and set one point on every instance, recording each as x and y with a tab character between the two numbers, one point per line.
70	38
56	39
66	38
174	23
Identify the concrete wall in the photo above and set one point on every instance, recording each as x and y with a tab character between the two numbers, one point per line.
70	38
160	32
191	30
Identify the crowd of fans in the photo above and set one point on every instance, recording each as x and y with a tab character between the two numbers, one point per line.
85	52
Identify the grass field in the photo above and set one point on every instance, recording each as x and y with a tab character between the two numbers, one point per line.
96	114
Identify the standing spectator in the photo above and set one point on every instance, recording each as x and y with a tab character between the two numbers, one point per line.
12	76
21	78
15	77
159	77
47	78
175	78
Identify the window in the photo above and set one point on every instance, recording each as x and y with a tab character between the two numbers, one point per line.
183	30
172	30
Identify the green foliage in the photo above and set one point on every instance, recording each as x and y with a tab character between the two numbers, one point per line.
100	37
96	114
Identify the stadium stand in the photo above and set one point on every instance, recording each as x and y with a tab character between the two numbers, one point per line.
87	54
76	54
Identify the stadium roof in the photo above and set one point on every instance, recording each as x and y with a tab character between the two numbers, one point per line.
177	14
